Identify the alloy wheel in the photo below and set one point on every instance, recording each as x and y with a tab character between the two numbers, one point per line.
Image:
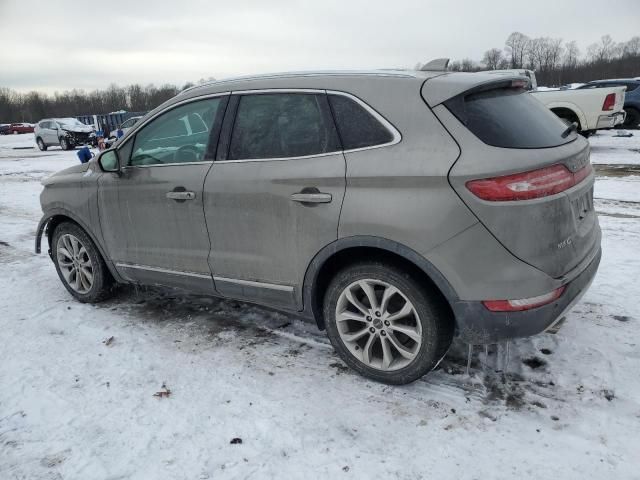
75	263
378	324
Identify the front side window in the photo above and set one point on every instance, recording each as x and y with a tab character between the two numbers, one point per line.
358	128
282	125
180	135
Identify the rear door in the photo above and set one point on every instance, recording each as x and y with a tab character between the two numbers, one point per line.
152	212
273	196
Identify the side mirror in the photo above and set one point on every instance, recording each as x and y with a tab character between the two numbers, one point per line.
109	161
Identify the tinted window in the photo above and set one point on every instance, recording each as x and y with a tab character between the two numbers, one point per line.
282	125
357	127
509	118
631	86
178	136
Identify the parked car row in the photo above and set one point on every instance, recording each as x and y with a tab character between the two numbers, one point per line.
16	128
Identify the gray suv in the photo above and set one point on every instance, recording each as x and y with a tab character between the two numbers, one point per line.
395	209
66	132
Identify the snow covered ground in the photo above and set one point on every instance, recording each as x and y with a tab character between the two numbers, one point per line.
76	405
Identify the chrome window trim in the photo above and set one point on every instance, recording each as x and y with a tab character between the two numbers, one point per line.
397	136
249	283
140	124
162	270
173	164
259	91
280	159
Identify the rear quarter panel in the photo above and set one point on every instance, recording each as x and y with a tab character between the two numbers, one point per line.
401	192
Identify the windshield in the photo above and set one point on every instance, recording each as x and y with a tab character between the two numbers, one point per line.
70	122
509	118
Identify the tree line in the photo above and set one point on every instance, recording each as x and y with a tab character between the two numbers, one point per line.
557	62
34	106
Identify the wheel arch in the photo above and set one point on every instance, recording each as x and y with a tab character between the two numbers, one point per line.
352	249
56	216
570	110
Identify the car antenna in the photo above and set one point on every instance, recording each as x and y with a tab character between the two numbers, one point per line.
436	65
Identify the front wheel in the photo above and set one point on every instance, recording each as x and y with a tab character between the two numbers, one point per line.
64	143
384	324
79	264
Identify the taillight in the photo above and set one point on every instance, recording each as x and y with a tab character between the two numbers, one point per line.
609	102
527	185
523	303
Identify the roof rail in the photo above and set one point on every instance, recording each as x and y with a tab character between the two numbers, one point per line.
436	65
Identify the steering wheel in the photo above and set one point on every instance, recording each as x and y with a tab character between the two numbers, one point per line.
187	153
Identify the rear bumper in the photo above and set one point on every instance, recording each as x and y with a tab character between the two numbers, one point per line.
610	121
477	325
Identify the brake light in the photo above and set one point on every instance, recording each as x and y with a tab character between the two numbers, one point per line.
527	185
523	303
609	102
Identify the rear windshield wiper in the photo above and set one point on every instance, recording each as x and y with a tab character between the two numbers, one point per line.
571	128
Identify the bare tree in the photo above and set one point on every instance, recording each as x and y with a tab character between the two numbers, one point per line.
631	48
492	58
468	65
571	54
516	47
602	51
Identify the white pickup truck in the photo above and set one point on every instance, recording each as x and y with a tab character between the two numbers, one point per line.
592	109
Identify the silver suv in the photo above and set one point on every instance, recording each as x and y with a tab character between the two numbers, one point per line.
66	132
396	209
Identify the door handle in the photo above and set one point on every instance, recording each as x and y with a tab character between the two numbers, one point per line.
181	196
315	197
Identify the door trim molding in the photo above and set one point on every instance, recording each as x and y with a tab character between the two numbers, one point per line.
249	283
162	270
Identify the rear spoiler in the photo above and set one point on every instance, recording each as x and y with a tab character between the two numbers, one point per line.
439	89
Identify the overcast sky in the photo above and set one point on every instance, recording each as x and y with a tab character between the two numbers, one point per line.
63	44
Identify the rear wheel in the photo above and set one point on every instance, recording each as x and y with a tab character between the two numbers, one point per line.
384	324
41	144
79	264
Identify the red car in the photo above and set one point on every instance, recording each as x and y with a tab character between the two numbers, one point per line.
21	128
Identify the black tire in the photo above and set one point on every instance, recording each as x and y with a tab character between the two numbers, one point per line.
632	120
103	284
432	312
41	145
64	143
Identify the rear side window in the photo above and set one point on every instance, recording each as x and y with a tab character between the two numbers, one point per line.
509	118
357	127
282	125
631	86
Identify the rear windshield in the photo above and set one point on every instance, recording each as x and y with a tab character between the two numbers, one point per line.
509	118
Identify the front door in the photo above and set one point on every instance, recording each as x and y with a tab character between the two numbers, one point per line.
152	213
273	196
